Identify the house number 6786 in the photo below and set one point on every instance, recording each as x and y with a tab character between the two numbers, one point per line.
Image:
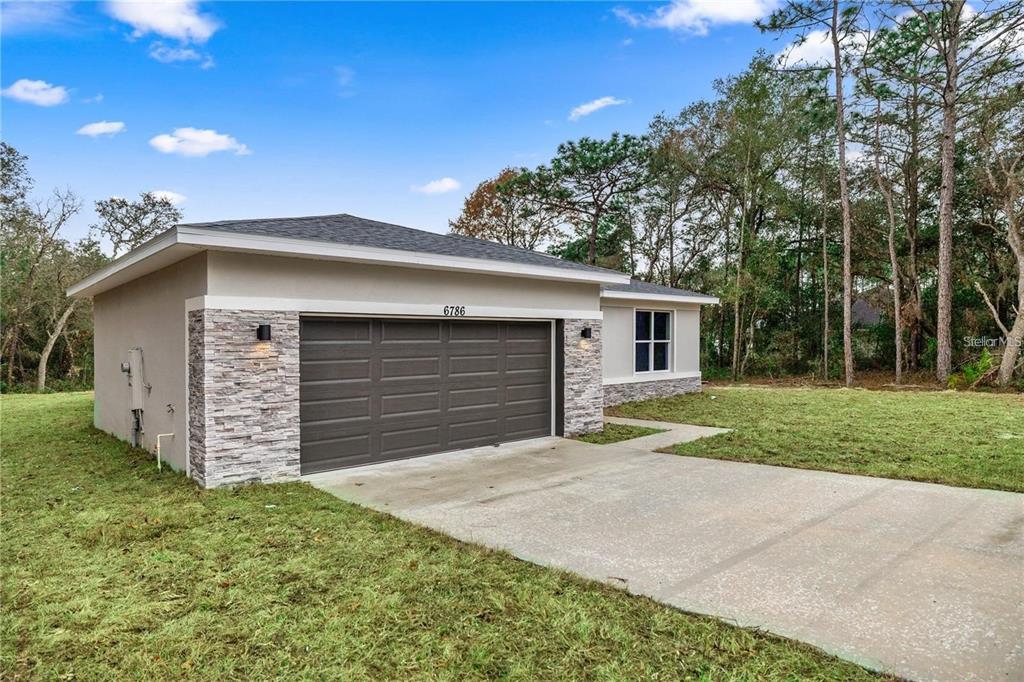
454	311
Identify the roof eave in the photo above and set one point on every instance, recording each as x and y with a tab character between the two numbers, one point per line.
199	239
672	298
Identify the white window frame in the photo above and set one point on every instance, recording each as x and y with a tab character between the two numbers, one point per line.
650	356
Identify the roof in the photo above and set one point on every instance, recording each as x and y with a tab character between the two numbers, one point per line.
647	290
351	230
339	237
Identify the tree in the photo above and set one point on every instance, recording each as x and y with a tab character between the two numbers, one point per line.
28	239
1001	141
498	211
69	263
971	48
840	26
587	181
127	224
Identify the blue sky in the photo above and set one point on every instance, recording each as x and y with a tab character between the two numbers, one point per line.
307	108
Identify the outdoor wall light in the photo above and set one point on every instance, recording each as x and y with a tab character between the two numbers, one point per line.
587	333
263	332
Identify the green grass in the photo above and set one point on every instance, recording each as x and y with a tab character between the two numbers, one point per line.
964	439
112	570
614	433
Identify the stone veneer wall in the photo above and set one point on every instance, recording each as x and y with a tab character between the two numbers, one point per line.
583	392
243	397
615	394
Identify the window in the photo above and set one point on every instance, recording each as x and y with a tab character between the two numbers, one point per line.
652	341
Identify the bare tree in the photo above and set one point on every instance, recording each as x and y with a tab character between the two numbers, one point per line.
127	224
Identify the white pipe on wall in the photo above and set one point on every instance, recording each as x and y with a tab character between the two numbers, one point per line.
158	437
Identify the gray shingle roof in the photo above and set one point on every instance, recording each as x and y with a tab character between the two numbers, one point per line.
354	231
639	288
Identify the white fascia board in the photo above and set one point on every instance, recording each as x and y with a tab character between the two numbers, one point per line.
213	239
638	296
311	306
130	259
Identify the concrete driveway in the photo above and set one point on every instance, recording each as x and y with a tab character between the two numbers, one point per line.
920	580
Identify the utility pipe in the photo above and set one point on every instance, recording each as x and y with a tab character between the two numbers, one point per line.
158	437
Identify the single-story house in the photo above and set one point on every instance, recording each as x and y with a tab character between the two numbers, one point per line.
261	350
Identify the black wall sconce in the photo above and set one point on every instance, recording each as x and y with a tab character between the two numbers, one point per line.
263	332
587	332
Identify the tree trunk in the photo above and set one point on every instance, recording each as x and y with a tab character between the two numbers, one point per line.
844	199
44	356
911	185
894	263
592	246
951	19
824	274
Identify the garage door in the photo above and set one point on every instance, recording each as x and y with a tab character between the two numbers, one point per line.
380	389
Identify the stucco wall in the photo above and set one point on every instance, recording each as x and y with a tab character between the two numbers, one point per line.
618	323
147	313
240	274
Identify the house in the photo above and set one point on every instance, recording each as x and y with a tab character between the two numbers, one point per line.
260	350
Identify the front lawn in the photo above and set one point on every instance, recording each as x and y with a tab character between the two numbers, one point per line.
112	570
616	433
965	439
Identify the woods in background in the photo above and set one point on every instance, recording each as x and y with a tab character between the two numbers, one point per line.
46	339
881	186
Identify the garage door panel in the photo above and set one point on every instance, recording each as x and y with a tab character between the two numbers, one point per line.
335	429
335	331
319	352
472	364
527	391
335	369
480	429
345	408
410	404
393	331
520	361
401	368
336	389
516	427
472	397
530	330
373	390
401	440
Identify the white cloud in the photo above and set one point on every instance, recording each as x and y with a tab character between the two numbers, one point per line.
174	197
101	128
816	49
439	186
168	55
25	17
178	19
587	108
197	142
96	99
40	93
698	16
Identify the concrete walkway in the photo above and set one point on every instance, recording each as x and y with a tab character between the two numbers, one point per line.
924	581
672	433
